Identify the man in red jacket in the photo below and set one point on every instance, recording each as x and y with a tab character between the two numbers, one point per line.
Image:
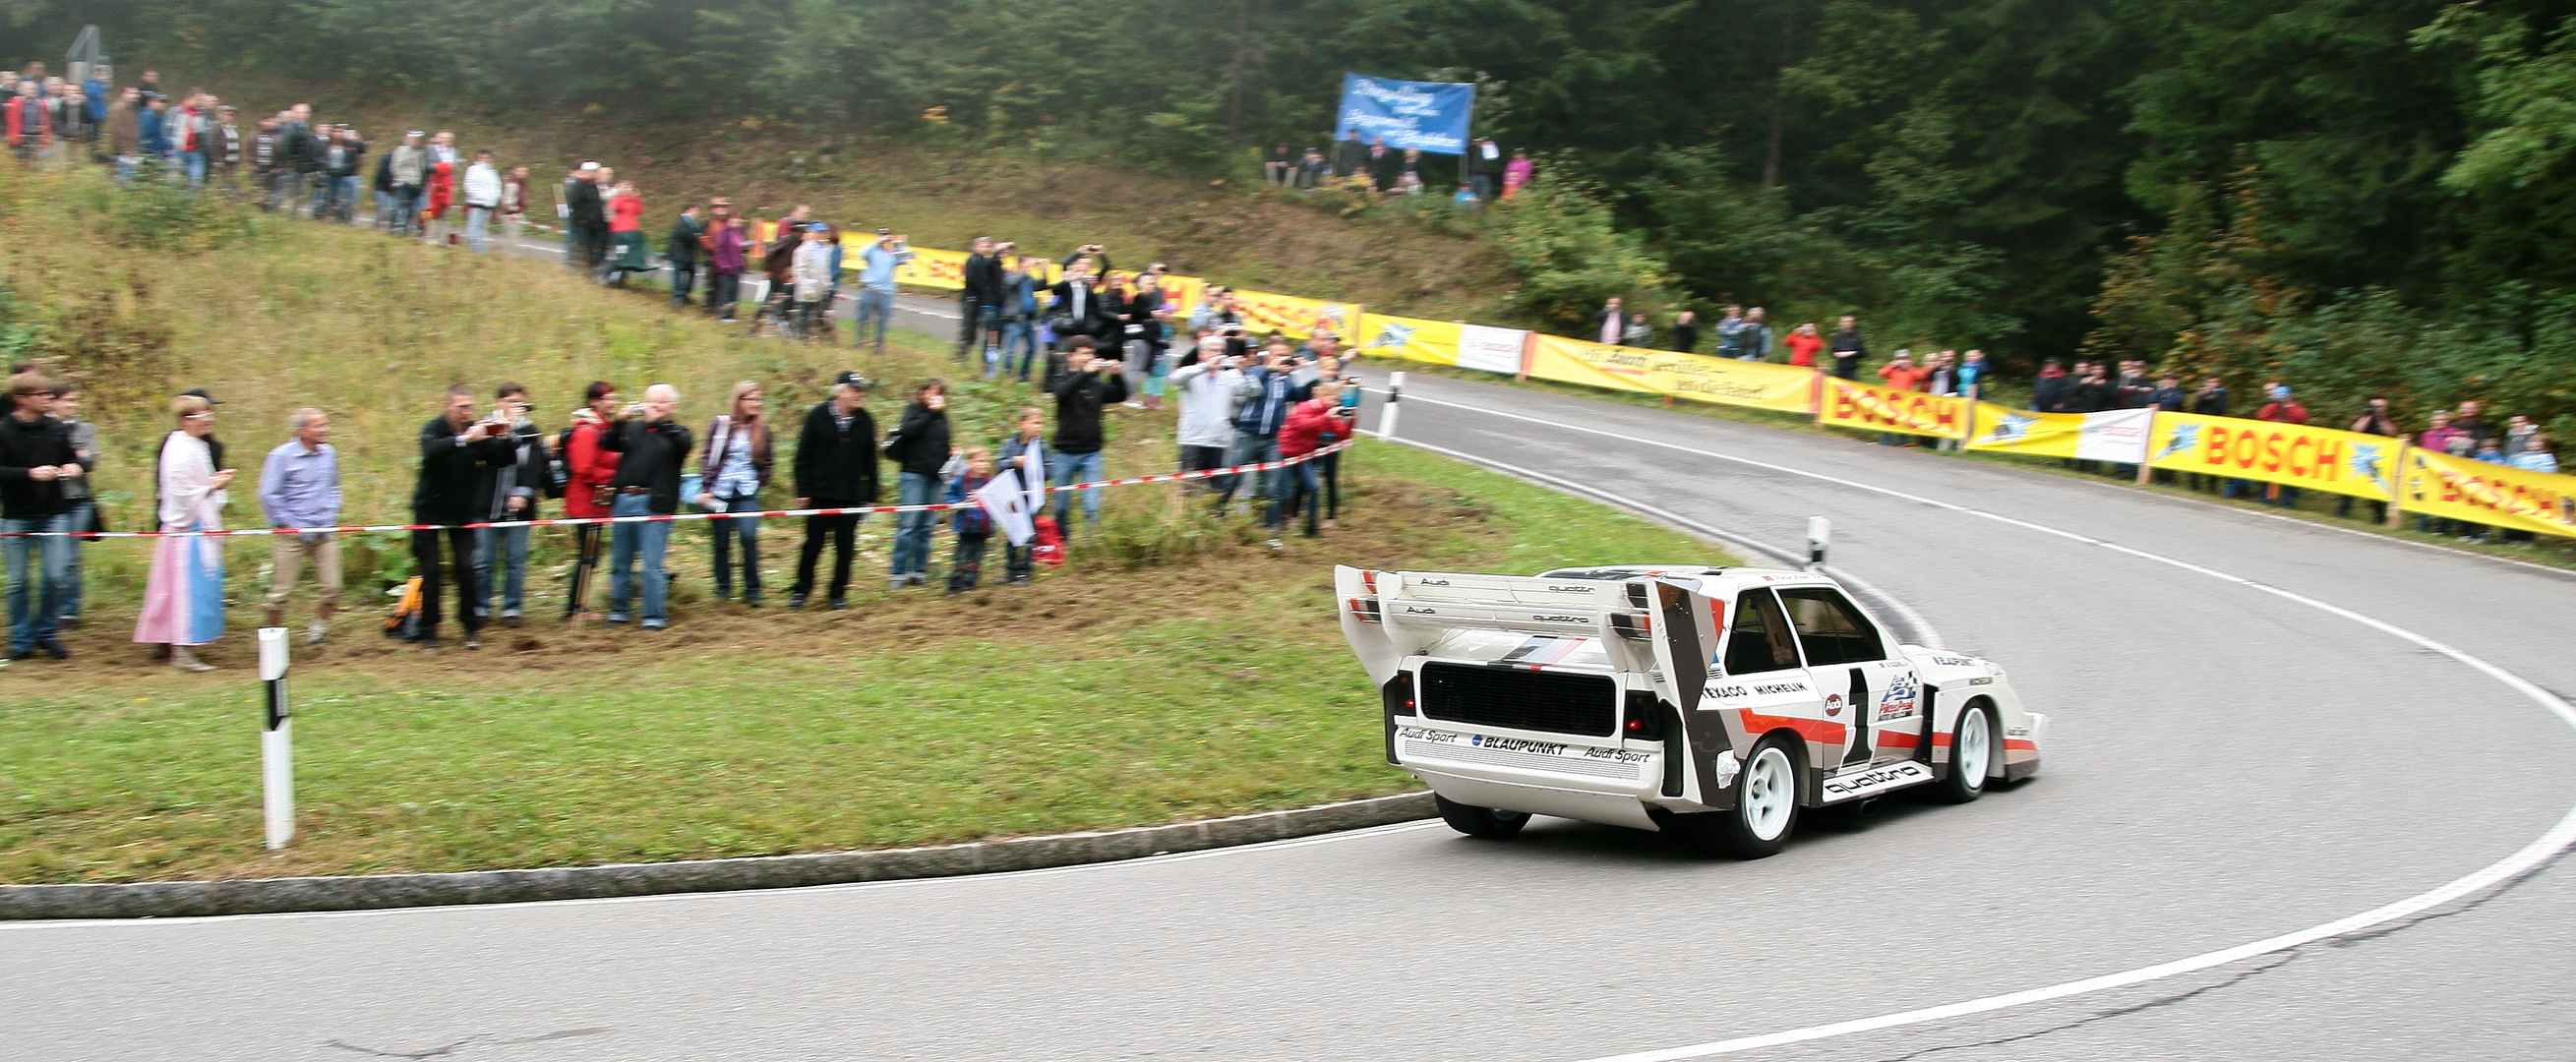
2286	410
1313	424
30	125
588	469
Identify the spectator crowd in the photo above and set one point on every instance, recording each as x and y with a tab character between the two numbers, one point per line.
1108	338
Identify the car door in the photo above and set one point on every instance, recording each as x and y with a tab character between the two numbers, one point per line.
1764	679
1863	681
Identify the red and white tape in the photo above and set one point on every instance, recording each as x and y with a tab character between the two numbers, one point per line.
576	521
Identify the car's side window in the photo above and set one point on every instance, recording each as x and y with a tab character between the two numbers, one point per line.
1831	629
1761	639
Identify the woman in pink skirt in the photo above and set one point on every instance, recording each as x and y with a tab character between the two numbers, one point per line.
183	601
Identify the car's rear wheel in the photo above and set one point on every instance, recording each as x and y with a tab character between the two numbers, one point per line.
1766	806
1492	823
1972	754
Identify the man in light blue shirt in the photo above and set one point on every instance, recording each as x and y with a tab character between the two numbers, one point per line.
877	265
299	486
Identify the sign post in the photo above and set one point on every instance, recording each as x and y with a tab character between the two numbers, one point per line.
1386	413
276	742
1820	533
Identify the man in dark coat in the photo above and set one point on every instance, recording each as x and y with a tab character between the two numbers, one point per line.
457	456
979	304
836	468
588	216
683	250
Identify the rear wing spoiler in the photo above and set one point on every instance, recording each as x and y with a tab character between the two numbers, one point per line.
1646	623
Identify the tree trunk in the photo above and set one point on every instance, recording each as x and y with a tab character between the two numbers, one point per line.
1779	100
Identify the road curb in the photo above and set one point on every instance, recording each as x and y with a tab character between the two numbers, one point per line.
181	899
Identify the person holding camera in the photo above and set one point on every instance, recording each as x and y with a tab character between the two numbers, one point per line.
517	485
878	264
651	447
1257	420
457	453
836	468
1313	424
920	449
979	303
1089	383
588	470
1211	385
1076	306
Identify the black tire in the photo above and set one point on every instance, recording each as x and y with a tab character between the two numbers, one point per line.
1489	823
1765	815
1961	786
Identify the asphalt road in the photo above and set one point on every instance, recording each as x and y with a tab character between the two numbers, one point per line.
2228	764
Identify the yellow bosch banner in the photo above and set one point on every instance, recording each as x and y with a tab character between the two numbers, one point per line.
934	269
1851	404
2003	429
1264	312
2457	488
1697	377
1410	338
2293	455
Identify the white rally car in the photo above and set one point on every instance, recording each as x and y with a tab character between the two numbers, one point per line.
1710	702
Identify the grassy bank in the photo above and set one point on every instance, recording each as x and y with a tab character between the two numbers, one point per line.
1178	668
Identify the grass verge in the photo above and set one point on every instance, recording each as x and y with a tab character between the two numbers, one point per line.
1177	669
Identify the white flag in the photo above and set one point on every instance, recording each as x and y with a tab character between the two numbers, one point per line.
1009	506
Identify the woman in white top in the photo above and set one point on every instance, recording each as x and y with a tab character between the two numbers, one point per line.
183	601
731	471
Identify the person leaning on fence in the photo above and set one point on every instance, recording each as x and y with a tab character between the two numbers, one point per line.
501	552
457	453
183	598
37	459
588	470
2282	409
1025	452
733	466
836	468
299	487
920	448
651	446
1089	384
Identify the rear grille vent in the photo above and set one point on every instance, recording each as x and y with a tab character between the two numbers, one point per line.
1556	702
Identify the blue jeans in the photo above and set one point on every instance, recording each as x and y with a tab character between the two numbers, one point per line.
1299	483
1019	335
193	163
912	530
396	209
324	187
1077	468
513	583
478	228
36	611
745	530
653	539
344	197
81	511
1251	449
871	308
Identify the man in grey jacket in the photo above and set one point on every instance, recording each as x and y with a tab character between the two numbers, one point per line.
409	165
1211	386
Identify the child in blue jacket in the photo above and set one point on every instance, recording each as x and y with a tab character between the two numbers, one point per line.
973	525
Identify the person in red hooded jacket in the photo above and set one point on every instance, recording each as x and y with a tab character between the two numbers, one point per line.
588	470
1313	424
441	195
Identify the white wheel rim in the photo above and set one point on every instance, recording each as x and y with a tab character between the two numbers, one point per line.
1769	793
1976	750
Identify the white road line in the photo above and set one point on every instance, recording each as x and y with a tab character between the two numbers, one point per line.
2529	858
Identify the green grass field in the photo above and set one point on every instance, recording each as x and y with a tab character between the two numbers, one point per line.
1176	669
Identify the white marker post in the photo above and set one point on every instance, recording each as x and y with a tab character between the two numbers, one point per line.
1820	533
1386	413
276	742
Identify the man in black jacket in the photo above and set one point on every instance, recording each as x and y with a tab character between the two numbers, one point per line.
919	448
1385	165
457	454
1847	348
1350	156
1088	384
651	446
836	468
682	250
1075	308
588	217
979	306
36	456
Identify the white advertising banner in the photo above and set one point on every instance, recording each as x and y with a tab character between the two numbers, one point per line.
1490	349
2115	435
